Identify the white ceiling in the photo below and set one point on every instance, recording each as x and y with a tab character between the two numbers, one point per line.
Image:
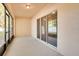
20	10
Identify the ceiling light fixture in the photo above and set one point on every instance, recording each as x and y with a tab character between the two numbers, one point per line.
28	6
54	12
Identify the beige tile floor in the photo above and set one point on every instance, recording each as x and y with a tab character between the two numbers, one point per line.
28	46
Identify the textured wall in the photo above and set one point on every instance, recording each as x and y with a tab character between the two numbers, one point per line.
68	26
23	27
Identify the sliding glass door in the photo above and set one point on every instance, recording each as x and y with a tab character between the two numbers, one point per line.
48	28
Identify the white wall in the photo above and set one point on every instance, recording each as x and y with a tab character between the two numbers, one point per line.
23	27
68	26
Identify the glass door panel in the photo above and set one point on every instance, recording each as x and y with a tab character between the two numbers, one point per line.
52	29
43	28
38	28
